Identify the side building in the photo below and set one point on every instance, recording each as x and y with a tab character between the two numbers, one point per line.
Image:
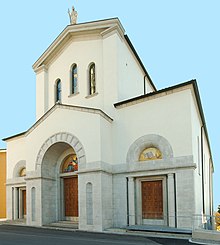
2	184
108	149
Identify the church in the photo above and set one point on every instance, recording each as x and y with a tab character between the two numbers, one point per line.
108	149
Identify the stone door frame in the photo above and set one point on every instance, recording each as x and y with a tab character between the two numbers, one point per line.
140	221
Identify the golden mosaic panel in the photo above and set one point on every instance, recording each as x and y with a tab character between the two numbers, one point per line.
150	153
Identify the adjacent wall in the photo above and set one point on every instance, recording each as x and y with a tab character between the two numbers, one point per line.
2	184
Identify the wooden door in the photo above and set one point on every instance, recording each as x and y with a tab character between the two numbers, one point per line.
71	196
152	199
24	202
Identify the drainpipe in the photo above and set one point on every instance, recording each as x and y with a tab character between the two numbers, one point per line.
145	84
210	193
202	161
175	200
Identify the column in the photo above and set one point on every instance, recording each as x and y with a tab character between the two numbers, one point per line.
131	195
171	200
16	204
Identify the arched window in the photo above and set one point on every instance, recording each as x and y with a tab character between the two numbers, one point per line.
58	91
70	164
92	81
22	172
74	80
150	153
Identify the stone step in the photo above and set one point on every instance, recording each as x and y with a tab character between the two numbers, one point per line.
64	224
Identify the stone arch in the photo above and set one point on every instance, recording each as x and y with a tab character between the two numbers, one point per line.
62	137
18	167
150	140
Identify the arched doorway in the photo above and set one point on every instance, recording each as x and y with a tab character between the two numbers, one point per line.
69	187
57	174
149	190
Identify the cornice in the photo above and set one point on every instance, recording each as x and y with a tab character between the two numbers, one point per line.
39	69
74	30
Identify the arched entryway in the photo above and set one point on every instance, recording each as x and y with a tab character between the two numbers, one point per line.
18	189
69	188
149	191
58	162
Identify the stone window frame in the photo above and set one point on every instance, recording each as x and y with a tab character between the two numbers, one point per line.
91	66
146	141
58	94
74	89
18	167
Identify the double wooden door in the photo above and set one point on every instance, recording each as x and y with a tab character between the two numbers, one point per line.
71	197
24	205
152	199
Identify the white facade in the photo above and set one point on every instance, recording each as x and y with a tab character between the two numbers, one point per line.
107	131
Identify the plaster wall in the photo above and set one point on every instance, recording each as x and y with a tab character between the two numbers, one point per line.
41	92
82	53
199	147
130	74
119	76
74	122
196	148
110	72
207	179
152	117
106	139
16	152
2	184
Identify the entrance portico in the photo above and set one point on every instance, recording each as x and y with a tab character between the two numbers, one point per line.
56	189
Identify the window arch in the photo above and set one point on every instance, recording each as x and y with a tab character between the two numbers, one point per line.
149	141
74	80
92	79
150	153
58	91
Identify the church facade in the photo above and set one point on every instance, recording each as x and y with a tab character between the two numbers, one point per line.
108	149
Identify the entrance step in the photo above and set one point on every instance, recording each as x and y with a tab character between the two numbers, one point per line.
162	231
64	224
21	222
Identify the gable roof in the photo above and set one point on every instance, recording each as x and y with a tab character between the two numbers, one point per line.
77	29
103	26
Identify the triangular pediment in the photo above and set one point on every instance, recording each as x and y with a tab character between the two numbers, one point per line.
101	28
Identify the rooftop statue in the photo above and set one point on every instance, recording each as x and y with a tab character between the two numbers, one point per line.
73	16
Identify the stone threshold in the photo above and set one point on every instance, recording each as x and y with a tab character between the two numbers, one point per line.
161	229
63	224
